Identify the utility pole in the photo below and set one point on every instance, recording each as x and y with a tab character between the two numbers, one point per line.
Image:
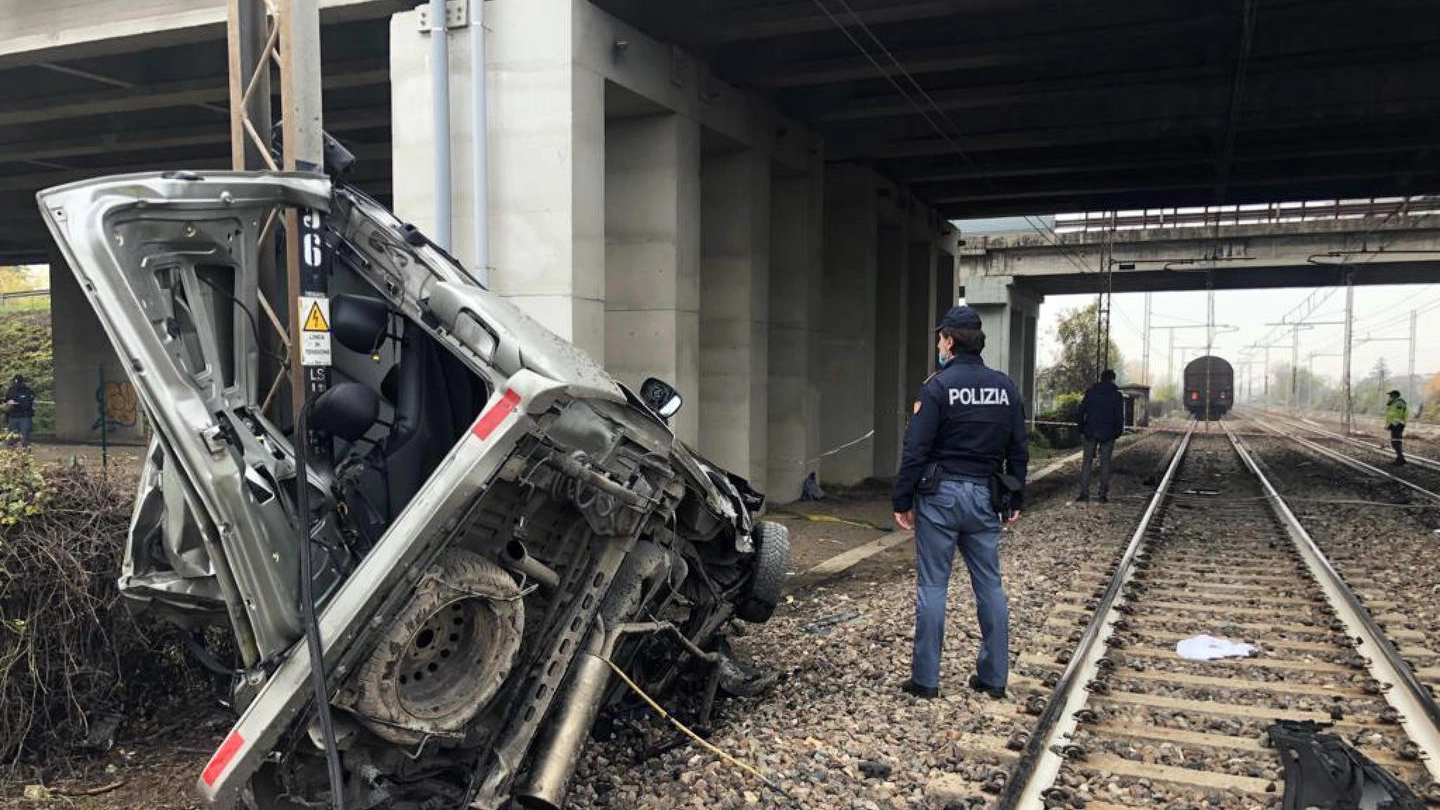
299	22
1295	327
1294	367
1145	360
1349	329
1410	378
1266	383
251	39
1209	335
1170	363
1102	307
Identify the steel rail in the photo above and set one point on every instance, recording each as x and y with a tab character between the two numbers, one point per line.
1420	716
1341	458
1039	763
1419	461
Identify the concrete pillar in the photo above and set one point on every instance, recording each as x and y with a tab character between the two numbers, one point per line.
652	257
892	339
546	155
735	311
1009	315
846	360
88	374
794	273
944	288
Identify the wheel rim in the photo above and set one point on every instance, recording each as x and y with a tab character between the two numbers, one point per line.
436	675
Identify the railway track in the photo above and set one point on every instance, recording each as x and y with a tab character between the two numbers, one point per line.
1131	724
1421	474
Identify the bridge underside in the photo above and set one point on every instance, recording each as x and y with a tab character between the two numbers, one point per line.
1236	276
1376	250
798	157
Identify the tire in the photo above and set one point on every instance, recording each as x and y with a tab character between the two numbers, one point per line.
483	628
772	559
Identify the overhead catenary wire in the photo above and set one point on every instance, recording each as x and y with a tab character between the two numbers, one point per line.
1046	232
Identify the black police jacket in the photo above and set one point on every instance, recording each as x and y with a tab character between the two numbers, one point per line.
970	419
1102	413
24	398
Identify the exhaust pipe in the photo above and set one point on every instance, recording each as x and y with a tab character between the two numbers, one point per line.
564	738
516	558
559	747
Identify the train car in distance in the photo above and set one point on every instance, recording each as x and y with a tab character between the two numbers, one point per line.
1209	387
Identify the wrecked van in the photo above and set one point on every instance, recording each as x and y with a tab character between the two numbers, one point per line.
494	525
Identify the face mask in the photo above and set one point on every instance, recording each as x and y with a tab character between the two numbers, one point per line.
941	360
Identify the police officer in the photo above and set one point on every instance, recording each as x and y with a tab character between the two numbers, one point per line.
968	422
1396	411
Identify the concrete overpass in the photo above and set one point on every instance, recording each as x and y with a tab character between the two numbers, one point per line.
750	197
1007	276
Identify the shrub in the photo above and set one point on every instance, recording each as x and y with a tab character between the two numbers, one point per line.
69	650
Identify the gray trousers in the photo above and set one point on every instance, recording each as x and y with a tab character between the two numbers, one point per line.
1088	457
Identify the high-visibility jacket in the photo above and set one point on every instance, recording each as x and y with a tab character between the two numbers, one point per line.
1396	411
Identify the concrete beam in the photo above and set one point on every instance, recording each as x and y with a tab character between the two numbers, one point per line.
73	29
946	170
1176	91
1037	40
882	142
786	18
171	94
112	143
675	80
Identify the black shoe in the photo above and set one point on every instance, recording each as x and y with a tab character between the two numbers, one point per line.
996	692
1104	499
922	692
1399	462
1082	498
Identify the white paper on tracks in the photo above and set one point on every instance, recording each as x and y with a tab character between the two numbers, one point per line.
1210	648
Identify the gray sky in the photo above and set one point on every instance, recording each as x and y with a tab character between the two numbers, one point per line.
1380	312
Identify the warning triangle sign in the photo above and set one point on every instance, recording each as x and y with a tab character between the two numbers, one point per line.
315	321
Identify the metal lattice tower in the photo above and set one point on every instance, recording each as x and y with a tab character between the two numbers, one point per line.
282	36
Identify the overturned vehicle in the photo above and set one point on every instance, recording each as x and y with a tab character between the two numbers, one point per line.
492	525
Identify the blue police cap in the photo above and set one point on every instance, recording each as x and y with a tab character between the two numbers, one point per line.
961	317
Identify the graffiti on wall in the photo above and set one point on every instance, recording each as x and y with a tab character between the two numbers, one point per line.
116	406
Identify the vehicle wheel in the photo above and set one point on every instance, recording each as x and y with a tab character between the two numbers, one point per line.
772	559
446	654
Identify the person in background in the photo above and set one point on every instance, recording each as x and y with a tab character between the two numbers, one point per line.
1101	421
968	423
1396	412
20	401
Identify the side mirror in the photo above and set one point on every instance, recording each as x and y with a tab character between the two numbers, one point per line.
661	397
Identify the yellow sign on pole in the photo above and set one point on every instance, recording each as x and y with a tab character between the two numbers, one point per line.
315	321
314	330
